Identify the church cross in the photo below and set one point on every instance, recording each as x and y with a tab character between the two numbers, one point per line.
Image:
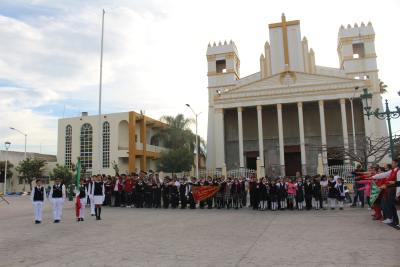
284	24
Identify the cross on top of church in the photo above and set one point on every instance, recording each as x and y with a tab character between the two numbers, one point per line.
284	24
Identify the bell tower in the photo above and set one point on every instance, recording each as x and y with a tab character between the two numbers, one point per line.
223	70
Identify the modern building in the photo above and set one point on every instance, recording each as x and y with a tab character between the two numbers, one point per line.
272	114
125	139
15	157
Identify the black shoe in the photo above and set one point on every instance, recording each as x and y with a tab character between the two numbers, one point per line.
340	208
215	206
391	224
36	222
236	208
241	206
55	221
332	208
219	208
39	222
353	205
82	219
97	218
92	215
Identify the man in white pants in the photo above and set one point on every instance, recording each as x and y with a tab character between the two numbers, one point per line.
38	197
90	195
57	197
82	195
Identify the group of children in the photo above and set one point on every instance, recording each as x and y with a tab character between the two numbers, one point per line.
137	192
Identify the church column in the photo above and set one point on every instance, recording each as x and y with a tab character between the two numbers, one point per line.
344	127
323	135
240	130
281	145
260	140
302	141
219	138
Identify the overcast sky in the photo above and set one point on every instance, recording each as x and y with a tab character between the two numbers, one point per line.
154	55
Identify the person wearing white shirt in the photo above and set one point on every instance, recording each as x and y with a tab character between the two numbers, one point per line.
57	197
82	196
38	197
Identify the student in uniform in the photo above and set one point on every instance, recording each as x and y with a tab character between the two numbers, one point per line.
227	193
128	184
253	192
273	194
57	197
317	190
209	200
215	180
117	191
308	192
191	197
299	193
324	191
38	197
263	193
92	210
236	191
139	194
98	196
174	193
340	192
183	189
332	191
82	196
282	193
157	195
149	194
108	192
291	191
201	183
87	184
220	193
243	196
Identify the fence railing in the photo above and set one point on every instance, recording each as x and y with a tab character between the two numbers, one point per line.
344	171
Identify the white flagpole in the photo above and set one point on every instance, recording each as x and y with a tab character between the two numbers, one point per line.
101	72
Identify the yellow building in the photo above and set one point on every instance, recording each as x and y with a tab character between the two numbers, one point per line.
125	139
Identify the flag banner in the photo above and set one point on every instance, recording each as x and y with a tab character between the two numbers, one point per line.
375	190
78	178
202	192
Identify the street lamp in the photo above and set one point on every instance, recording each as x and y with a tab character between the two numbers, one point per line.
388	115
197	144
25	146
7	144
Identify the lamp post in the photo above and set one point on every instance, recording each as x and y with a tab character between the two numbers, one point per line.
352	121
7	144
197	144
388	115
25	147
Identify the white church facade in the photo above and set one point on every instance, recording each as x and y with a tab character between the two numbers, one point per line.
290	102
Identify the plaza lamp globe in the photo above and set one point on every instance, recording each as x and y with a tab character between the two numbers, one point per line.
366	100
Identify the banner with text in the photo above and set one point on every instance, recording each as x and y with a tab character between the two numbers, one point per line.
202	192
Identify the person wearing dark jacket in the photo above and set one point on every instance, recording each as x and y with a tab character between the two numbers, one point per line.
308	193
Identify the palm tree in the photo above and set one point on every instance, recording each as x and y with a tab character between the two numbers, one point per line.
180	135
382	87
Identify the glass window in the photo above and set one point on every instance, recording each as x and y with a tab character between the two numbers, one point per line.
106	145
68	146
86	143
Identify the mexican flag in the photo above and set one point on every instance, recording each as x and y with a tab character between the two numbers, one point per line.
78	178
375	190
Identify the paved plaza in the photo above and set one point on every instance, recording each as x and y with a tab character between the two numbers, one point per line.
149	237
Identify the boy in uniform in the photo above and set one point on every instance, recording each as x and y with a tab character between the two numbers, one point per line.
165	192
57	197
183	189
38	197
191	198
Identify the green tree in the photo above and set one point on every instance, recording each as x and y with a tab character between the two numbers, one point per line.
382	87
62	172
180	135
9	166
31	169
174	161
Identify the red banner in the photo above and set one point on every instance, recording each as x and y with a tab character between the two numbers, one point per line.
202	192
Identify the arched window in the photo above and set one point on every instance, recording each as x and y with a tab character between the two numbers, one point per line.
106	145
68	146
86	145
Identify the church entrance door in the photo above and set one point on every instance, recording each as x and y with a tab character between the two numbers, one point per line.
251	159
292	160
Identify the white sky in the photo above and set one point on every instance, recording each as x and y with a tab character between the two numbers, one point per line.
154	55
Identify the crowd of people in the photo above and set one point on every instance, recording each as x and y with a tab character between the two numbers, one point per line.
387	204
147	190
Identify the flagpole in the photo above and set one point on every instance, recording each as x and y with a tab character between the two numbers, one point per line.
101	72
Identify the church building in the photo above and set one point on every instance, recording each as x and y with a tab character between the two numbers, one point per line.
290	102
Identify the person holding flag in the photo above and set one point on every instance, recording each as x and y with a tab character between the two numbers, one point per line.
81	194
